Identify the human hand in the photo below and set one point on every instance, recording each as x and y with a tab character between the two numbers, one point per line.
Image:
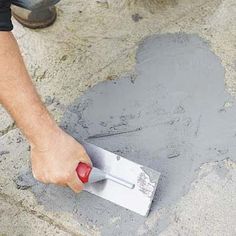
56	160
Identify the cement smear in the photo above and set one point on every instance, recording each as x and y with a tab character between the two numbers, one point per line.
173	117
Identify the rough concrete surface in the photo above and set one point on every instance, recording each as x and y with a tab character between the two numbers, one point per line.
175	80
14	220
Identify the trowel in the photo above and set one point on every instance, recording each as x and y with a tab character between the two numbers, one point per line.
118	179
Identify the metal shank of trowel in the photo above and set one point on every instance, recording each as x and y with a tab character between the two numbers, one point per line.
88	174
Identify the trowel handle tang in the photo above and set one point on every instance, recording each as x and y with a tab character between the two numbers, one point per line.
83	171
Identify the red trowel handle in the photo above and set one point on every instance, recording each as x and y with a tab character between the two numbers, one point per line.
87	173
83	171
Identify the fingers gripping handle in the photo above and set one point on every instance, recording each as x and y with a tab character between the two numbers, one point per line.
83	171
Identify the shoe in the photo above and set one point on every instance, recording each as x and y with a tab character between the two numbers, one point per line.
38	18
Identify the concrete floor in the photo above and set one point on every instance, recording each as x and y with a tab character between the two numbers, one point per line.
95	41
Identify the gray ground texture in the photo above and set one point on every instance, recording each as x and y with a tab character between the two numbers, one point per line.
151	81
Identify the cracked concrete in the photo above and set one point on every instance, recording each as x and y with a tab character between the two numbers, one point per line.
96	41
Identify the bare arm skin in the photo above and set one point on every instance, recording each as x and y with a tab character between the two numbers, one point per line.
54	154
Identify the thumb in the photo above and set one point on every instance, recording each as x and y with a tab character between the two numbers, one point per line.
85	159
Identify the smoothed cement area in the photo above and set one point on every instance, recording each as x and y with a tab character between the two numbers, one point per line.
173	115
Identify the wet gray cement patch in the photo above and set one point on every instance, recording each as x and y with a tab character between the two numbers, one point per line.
173	117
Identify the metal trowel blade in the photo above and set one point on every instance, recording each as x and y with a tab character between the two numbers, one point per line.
145	180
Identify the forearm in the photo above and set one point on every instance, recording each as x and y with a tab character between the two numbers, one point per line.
54	154
19	96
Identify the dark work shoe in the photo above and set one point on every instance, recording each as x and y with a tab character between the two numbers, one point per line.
38	18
